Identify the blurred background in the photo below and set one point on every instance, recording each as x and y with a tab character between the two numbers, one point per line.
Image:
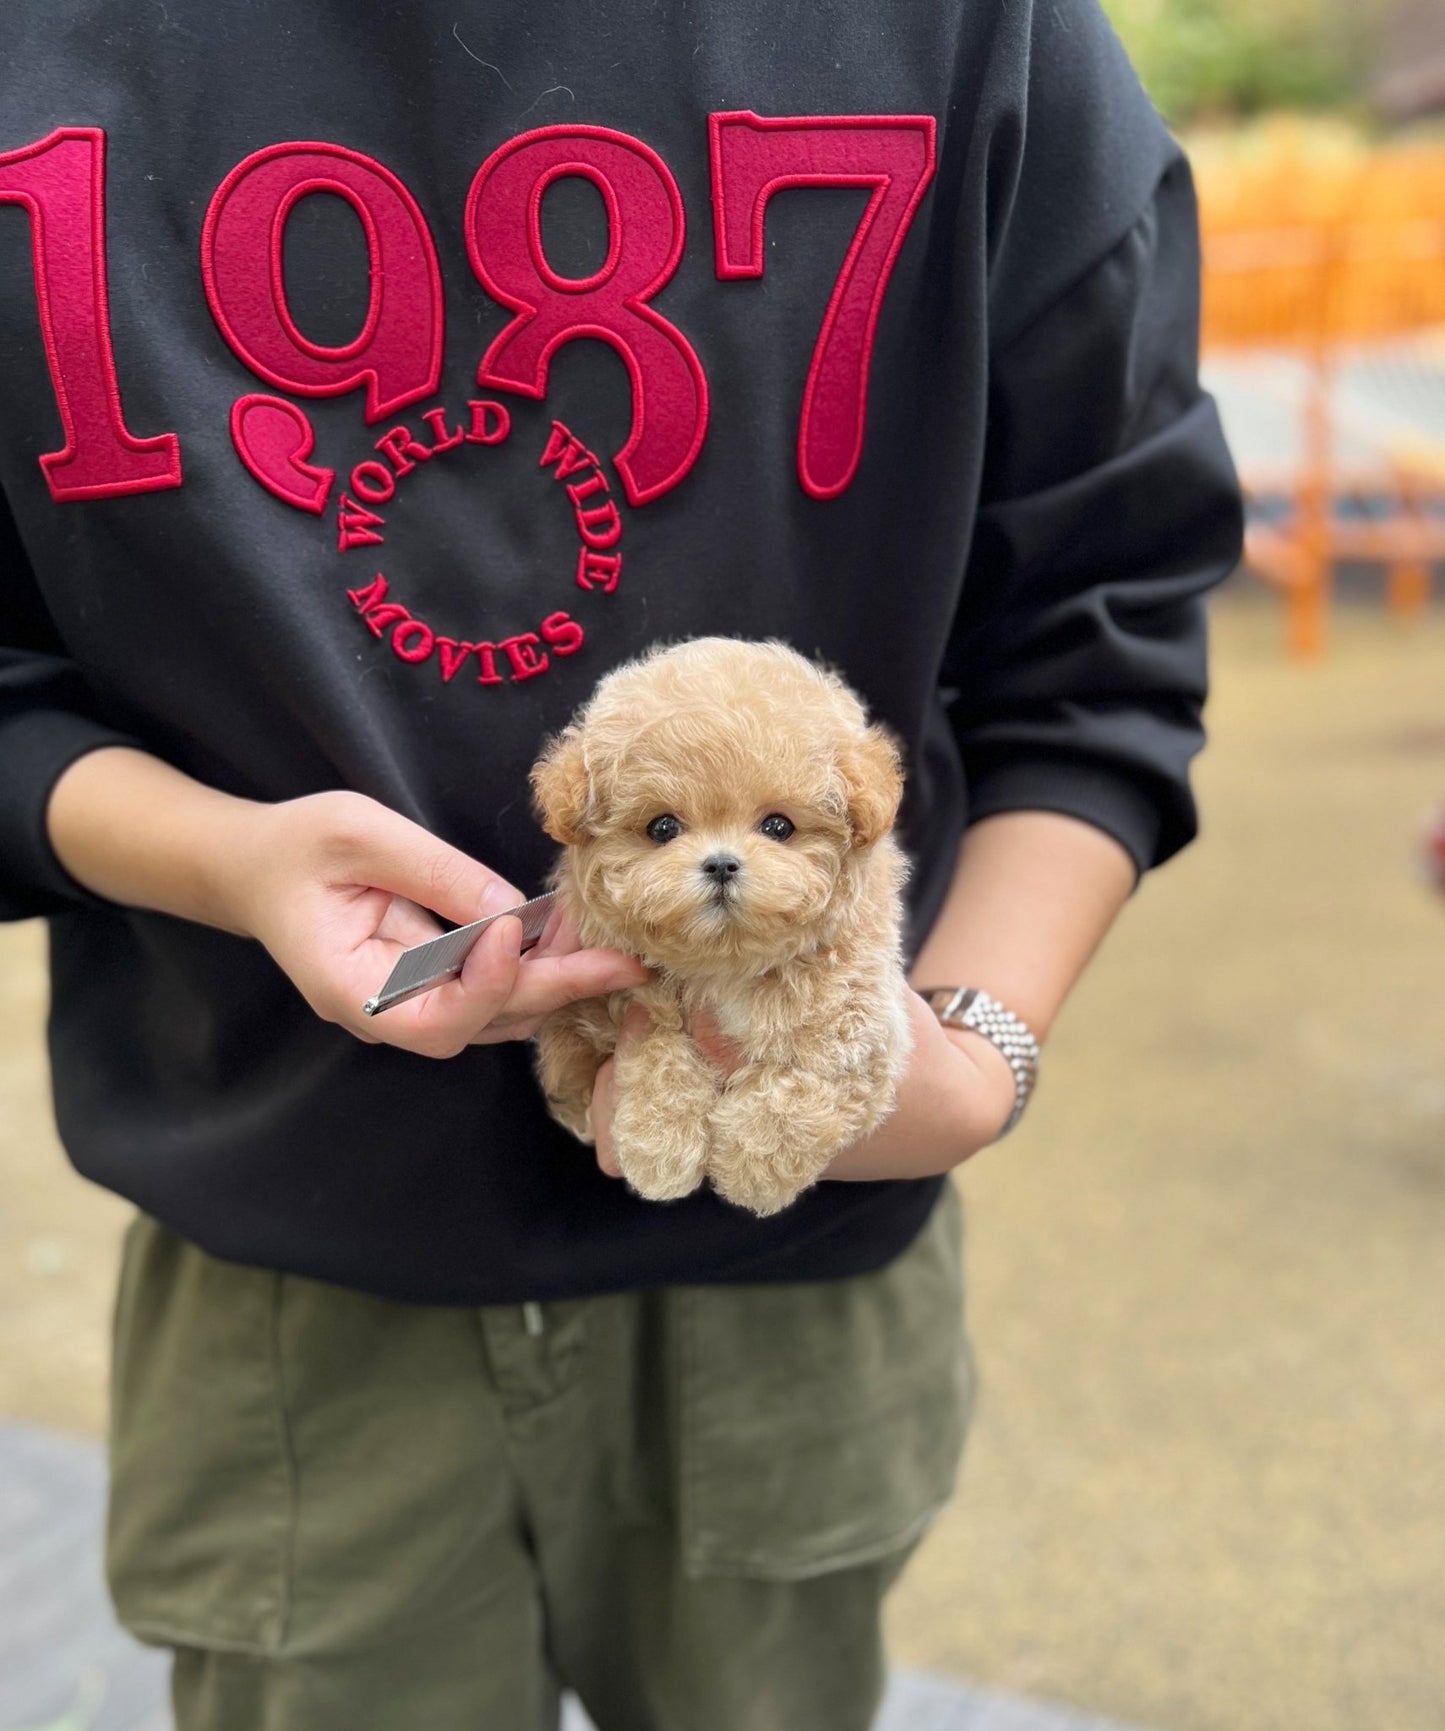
1206	1485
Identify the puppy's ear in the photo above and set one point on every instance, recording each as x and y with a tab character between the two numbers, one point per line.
563	788
873	784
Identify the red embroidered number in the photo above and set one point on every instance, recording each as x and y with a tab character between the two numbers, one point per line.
645	237
753	158
398	353
61	183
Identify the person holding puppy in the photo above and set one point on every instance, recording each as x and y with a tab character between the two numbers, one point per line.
392	378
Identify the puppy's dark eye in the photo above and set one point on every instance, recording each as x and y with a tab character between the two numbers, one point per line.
776	826
664	828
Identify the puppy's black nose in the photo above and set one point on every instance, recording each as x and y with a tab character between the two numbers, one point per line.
721	867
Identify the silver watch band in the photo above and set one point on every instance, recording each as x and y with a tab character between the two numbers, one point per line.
968	1007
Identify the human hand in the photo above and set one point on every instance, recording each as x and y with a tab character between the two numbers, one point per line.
336	886
955	1098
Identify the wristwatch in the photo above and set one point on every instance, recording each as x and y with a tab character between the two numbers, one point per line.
968	1007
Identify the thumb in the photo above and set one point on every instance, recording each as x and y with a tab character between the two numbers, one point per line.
396	854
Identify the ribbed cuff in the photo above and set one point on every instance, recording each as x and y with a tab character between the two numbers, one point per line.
36	748
1111	801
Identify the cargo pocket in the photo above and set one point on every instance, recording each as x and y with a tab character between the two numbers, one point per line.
820	1423
197	1537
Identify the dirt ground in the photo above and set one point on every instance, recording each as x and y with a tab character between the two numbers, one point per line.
1206	1485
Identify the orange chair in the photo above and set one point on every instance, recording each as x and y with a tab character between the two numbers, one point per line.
1340	284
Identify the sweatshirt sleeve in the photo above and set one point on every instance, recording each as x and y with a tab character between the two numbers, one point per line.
1109	507
47	720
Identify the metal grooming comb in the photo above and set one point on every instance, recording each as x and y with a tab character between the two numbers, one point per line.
426	965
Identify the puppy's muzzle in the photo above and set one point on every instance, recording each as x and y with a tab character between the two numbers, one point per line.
721	872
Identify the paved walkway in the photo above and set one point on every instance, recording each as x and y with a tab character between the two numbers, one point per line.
65	1666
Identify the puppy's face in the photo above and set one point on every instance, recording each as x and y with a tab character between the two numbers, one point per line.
713	797
709	858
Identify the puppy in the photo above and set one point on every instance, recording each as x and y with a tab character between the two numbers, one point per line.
725	811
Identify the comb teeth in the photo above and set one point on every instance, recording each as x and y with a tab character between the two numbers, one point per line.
431	964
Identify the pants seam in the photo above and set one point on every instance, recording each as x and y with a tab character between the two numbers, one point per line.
290	1476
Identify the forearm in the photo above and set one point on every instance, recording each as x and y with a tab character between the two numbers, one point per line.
1032	895
130	828
335	885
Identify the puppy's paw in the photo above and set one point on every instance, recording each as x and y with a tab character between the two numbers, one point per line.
665	1091
773	1133
574	1114
568	1058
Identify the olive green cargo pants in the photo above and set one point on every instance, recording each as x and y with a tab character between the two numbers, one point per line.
686	1505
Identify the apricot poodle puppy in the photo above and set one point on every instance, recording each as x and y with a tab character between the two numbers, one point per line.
725	811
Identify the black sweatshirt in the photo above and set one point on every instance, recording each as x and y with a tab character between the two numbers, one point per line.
376	377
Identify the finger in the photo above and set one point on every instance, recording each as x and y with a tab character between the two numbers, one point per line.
390	852
546	983
559	935
452	1014
406	924
489	975
715	1046
604	1100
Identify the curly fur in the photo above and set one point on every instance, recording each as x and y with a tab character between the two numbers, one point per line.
799	962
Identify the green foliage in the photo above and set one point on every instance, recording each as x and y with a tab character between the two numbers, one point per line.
1203	58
